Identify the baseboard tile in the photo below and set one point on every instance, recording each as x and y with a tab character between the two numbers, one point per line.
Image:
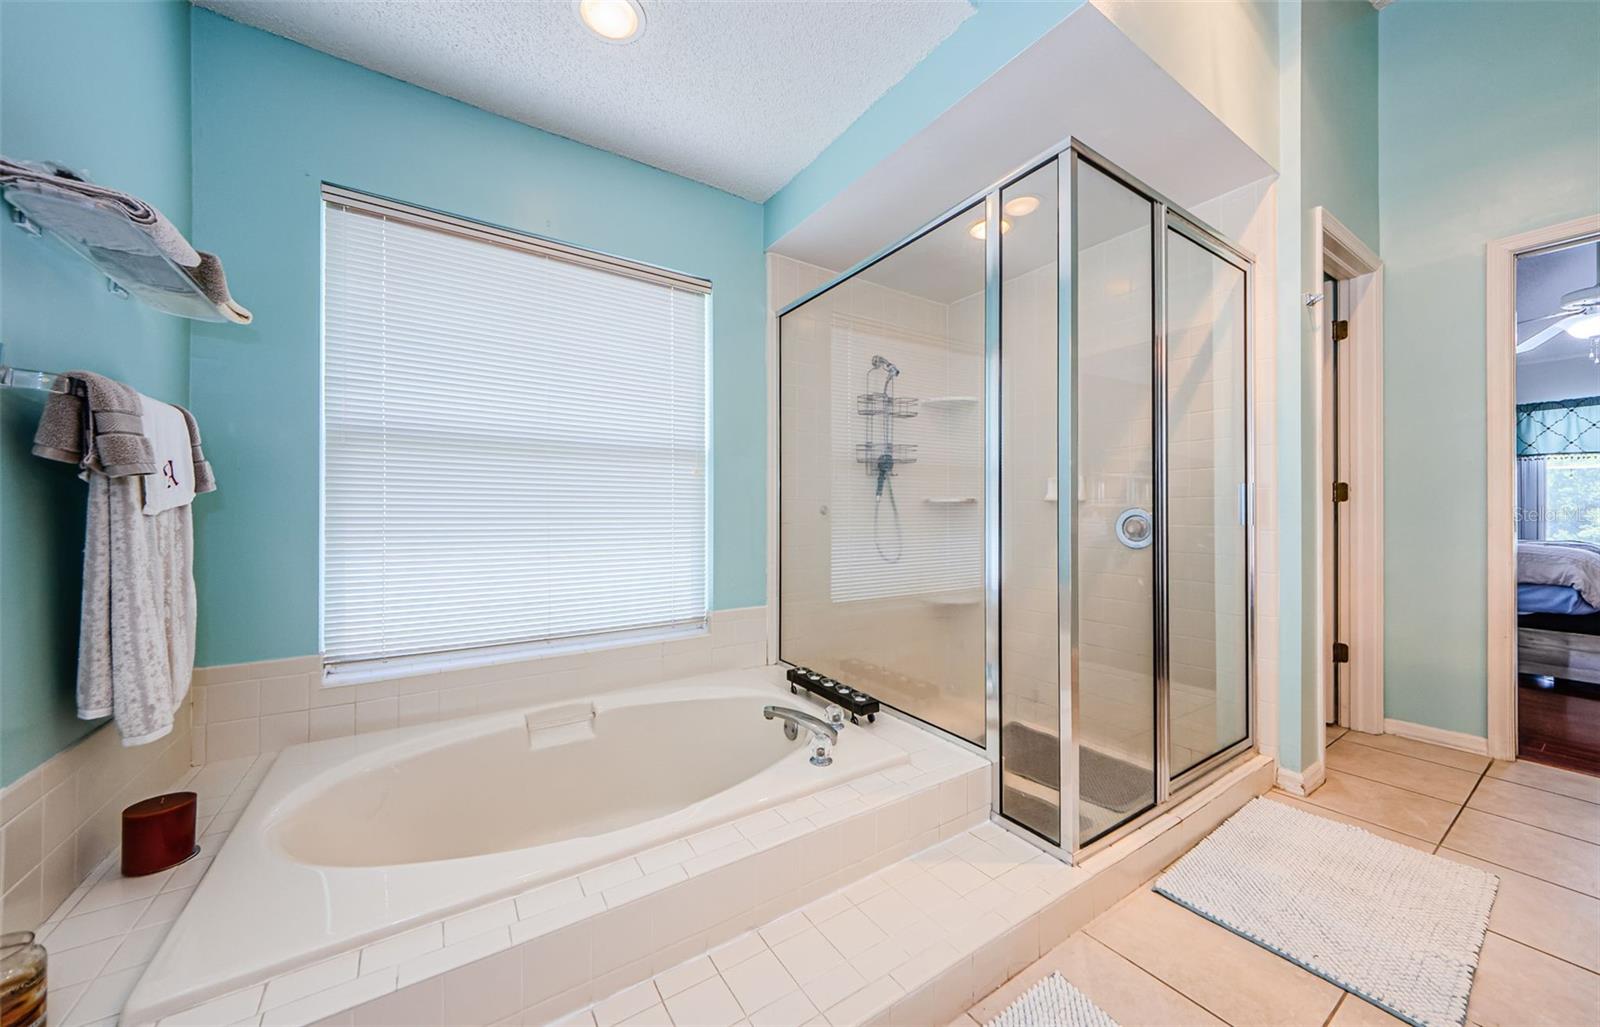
1475	744
1302	782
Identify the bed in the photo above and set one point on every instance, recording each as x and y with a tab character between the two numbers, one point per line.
1558	609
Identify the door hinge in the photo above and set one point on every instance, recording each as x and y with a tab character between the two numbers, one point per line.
1341	331
1341	653
1341	492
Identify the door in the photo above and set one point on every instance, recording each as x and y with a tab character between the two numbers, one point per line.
1115	505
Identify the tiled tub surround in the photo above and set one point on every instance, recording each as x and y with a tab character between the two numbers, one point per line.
246	709
914	943
102	937
589	933
59	820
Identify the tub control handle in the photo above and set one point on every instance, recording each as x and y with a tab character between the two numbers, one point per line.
823	733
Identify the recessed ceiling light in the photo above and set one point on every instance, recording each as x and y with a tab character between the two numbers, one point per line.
615	21
979	229
1022	206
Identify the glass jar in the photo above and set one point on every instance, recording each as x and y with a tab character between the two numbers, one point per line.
22	980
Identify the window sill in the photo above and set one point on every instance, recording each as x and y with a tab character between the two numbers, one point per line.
339	676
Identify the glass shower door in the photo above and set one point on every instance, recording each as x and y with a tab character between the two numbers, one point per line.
1207	419
881	479
1112	516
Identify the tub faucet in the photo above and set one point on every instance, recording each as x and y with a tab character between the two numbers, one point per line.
824	733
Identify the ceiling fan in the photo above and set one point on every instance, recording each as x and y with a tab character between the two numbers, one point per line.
1579	317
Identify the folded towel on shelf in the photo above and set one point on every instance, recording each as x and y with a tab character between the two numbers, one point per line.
136	637
172	485
100	427
51	179
127	238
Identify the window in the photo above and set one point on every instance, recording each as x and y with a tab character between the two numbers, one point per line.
1572	497
514	442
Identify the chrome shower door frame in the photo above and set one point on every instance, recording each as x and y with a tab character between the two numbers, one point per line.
1165	216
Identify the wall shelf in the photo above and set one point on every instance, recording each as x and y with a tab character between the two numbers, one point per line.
950	402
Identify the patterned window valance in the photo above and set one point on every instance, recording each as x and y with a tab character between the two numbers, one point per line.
1559	427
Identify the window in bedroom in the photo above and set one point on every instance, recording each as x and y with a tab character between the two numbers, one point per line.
1572	497
514	442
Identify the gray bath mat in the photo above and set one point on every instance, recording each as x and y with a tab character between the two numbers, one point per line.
1106	781
1398	927
1052	1002
1113	783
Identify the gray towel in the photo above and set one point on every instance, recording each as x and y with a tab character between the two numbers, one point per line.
92	217
54	179
108	435
136	638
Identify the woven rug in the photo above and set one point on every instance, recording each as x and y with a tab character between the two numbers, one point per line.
1398	927
1052	1002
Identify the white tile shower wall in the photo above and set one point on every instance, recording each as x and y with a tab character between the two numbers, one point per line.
59	820
244	709
566	943
907	630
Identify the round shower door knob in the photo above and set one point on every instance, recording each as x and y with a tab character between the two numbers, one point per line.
1135	529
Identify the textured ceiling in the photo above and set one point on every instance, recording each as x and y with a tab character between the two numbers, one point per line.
738	94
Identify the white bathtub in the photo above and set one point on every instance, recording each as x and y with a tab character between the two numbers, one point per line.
350	840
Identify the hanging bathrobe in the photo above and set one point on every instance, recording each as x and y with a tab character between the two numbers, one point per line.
137	630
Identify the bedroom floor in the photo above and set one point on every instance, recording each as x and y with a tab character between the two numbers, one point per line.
1148	961
1558	722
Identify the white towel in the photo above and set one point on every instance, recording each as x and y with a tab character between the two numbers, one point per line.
136	640
172	485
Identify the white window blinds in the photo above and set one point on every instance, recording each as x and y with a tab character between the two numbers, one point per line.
514	440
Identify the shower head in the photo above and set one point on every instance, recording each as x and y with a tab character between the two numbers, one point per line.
881	363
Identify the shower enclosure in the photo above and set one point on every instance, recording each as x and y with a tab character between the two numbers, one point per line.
1015	491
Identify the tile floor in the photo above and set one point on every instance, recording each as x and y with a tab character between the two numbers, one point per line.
1148	961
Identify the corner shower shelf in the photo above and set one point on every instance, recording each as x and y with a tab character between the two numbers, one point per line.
950	402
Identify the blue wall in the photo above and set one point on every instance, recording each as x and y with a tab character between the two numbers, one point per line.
272	121
1339	114
1489	125
103	87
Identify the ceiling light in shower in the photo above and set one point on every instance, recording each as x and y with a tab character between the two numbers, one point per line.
615	21
979	229
1022	206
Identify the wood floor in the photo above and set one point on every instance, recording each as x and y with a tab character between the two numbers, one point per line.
1558	723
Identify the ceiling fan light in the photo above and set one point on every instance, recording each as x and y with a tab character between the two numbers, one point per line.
1586	326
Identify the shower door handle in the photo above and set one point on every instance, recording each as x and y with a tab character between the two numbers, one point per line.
1135	529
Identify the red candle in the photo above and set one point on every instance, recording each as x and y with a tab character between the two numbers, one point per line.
158	833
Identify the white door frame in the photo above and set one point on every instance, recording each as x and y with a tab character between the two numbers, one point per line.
1341	254
1500	336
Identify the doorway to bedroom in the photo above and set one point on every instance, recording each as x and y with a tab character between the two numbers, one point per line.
1557	476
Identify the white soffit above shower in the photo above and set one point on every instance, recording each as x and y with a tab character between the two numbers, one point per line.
740	96
1084	79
